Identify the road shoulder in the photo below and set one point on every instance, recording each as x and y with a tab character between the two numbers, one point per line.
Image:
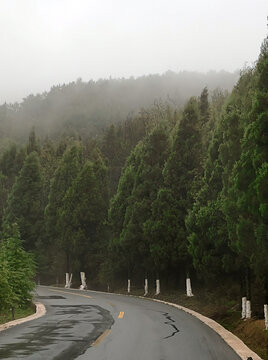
233	341
40	311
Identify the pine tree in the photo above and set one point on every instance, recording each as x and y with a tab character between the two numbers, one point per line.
204	107
131	206
247	210
25	202
49	162
166	228
82	219
33	143
206	222
64	176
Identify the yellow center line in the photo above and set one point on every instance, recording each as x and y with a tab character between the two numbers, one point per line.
121	315
69	292
101	337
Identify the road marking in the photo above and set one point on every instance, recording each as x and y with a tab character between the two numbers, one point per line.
69	292
101	338
121	315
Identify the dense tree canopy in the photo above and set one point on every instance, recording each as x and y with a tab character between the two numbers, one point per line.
170	191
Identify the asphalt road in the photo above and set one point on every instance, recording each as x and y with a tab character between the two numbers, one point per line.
87	325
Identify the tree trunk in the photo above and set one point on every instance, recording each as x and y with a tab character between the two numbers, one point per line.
145	287
248	291
248	309
243	313
83	285
266	316
248	283
13	313
68	281
189	287
157	291
67	261
266	302
243	294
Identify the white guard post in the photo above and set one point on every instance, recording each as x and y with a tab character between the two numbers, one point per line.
266	316
145	287
157	291
244	304
68	281
128	286
189	287
248	309
83	281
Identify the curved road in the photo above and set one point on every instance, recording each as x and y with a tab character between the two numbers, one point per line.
98	326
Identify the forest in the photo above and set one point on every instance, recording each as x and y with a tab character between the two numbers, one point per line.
85	109
123	186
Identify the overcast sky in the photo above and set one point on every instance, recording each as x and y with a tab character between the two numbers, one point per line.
48	42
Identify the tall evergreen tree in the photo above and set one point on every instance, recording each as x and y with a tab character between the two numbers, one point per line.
206	221
166	228
82	220
131	206
246	205
33	143
25	202
65	174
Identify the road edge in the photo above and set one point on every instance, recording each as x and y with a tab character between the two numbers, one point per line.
232	340
239	347
40	311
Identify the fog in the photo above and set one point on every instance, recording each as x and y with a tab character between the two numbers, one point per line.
44	43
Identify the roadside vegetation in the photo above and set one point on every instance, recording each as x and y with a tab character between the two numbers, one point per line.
20	312
16	274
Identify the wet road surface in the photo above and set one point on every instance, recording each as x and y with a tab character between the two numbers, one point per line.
98	326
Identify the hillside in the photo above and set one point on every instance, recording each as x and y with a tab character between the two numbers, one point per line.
85	108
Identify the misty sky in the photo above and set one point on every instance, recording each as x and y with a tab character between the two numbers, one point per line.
49	42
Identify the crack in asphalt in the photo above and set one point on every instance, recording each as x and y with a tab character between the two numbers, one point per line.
171	323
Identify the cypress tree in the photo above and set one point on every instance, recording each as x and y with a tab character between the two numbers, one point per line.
166	228
25	202
139	183
82	219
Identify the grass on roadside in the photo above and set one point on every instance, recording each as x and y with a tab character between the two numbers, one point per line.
19	313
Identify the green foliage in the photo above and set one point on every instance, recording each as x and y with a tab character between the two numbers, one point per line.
25	202
11	163
208	227
248	228
166	228
131	206
85	108
65	174
16	270
33	144
188	188
82	218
